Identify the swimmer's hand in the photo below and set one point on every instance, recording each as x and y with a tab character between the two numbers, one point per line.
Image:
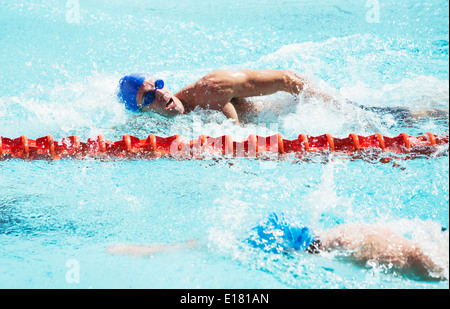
148	250
297	84
230	112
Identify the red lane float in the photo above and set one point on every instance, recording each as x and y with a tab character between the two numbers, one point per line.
174	146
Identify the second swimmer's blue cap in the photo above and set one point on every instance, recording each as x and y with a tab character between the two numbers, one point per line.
128	89
279	232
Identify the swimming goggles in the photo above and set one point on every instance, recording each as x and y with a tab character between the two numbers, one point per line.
150	96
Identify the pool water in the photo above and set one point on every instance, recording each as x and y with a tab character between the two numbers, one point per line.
61	63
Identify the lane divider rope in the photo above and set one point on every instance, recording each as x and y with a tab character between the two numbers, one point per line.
155	146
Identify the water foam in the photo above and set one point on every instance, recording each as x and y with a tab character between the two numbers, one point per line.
86	108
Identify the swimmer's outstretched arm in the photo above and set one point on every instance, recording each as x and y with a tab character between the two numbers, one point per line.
148	250
250	83
382	245
219	89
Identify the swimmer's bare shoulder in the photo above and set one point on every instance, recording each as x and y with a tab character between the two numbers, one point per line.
212	91
379	243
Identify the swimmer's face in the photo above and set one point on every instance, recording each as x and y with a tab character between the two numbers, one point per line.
165	102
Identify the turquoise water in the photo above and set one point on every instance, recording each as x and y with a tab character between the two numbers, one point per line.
60	70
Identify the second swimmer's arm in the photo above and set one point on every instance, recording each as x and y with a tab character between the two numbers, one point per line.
148	250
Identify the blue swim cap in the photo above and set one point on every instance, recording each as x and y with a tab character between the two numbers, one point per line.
278	232
128	89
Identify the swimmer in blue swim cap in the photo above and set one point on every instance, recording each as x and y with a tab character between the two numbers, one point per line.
229	91
279	233
223	90
141	92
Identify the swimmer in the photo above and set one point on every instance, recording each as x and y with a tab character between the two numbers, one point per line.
279	233
226	91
